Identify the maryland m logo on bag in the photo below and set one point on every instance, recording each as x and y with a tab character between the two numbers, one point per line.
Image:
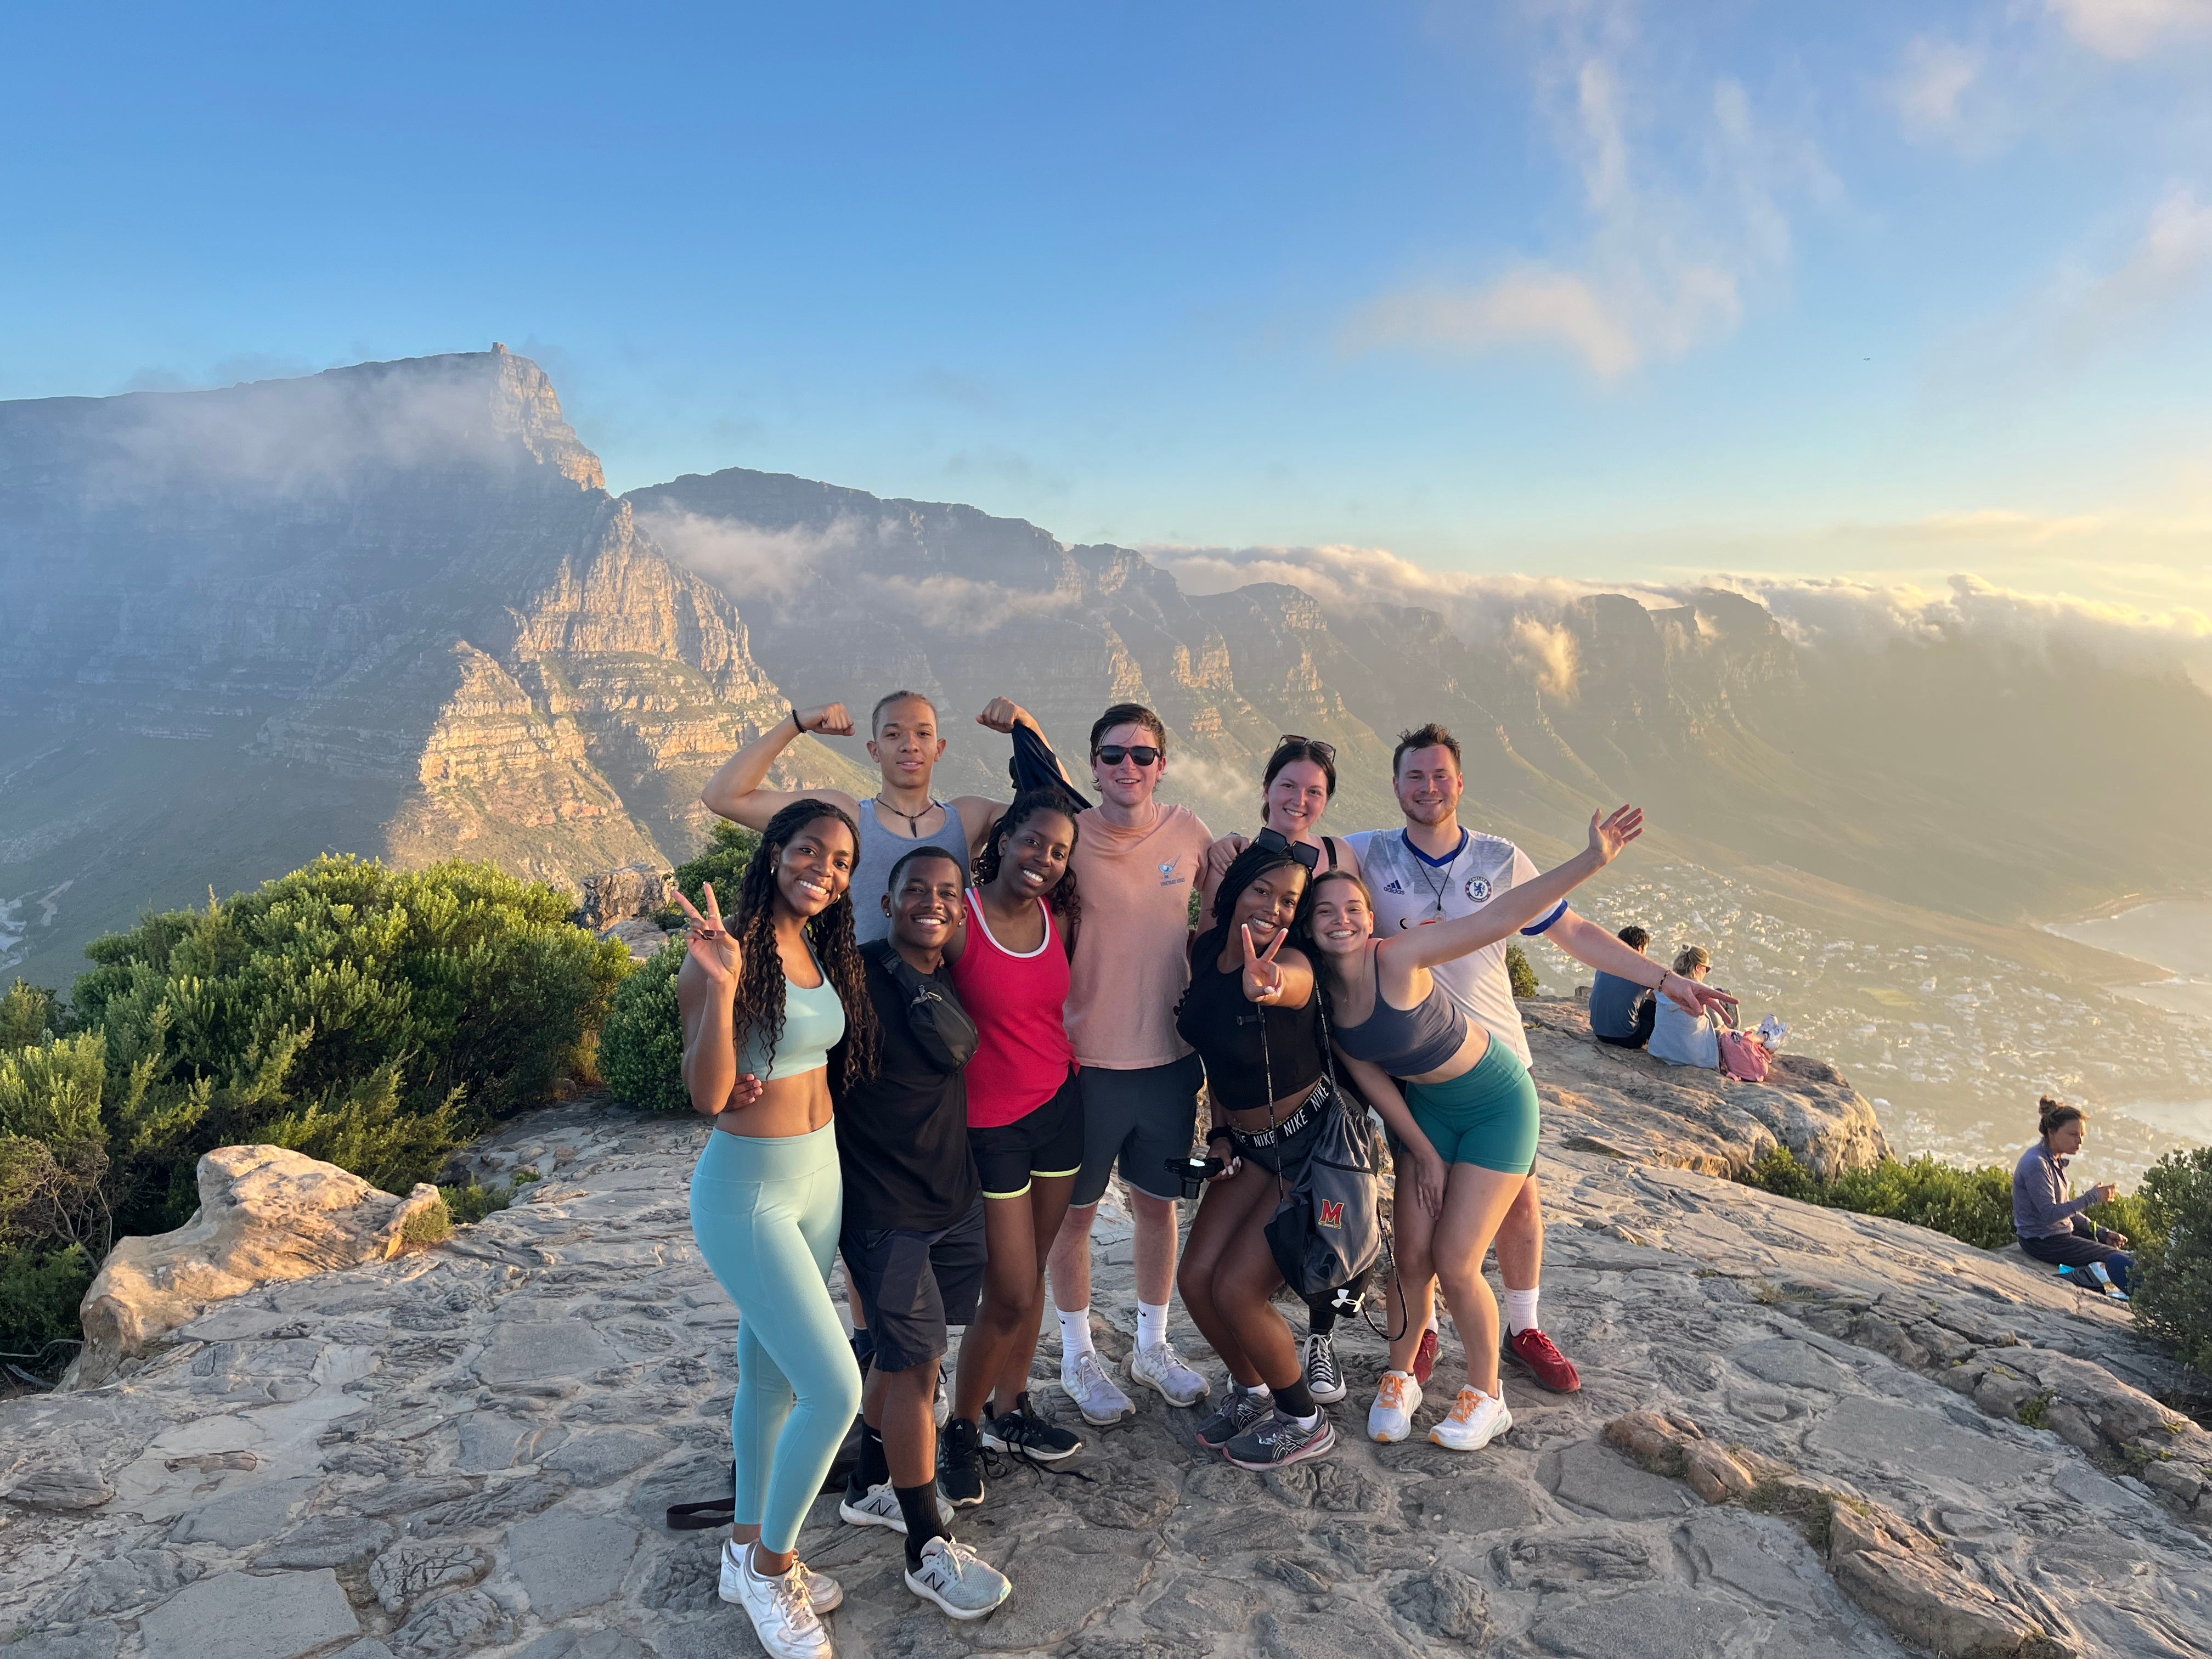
1331	1213
1326	1232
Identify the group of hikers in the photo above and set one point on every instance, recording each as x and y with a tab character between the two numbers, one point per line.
929	1033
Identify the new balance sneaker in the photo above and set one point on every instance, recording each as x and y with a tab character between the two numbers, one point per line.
1551	1369
1094	1393
1322	1374
960	1463
1424	1356
1159	1367
1240	1409
1280	1440
958	1580
782	1607
1026	1434
1475	1421
1391	1418
878	1506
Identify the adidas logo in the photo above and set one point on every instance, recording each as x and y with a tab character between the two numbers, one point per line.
1393	887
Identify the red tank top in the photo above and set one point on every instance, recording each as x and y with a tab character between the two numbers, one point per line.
1015	999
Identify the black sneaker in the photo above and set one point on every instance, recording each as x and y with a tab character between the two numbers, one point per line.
960	1463
1322	1377
1280	1440
1239	1411
1023	1433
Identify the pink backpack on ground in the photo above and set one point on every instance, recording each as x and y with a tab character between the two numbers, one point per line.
1743	1056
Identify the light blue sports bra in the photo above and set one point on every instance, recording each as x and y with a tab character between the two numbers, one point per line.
813	1025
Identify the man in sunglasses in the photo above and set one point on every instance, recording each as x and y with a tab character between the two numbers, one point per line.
1431	869
1137	862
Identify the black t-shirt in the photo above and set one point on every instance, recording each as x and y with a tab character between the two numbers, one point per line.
903	1139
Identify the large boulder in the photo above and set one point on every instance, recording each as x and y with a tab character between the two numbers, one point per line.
627	894
265	1214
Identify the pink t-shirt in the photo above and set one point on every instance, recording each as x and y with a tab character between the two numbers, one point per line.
1131	960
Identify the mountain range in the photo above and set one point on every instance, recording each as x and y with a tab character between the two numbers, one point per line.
392	609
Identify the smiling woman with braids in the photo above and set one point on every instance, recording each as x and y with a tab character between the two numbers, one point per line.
763	1001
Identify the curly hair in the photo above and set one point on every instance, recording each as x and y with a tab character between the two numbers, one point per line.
1066	902
760	983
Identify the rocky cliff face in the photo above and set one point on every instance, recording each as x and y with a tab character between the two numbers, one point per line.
389	609
1800	1432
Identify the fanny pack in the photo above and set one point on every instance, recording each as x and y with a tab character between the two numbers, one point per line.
939	1024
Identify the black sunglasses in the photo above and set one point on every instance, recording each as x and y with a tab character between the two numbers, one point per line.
1274	841
1143	753
1325	750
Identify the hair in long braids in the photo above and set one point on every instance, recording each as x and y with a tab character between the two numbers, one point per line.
760	982
1064	902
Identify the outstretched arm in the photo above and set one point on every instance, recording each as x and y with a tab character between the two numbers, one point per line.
1590	945
735	791
980	812
1516	906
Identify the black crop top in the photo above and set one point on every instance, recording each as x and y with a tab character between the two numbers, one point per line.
1217	1021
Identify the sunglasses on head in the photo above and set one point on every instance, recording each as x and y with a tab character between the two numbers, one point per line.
1325	750
1274	841
1143	753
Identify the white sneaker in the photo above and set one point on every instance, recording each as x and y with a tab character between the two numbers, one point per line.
1093	1392
1475	1421
1391	1418
878	1507
958	1580
781	1608
1160	1367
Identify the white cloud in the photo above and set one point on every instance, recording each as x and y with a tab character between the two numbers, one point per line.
2132	28
1679	233
2173	256
1930	85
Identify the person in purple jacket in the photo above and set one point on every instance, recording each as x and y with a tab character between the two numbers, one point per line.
2049	1220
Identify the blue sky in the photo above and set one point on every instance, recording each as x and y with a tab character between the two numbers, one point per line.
1593	290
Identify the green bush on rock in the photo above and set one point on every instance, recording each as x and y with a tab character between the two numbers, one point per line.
642	1046
1518	971
2173	1278
1973	1205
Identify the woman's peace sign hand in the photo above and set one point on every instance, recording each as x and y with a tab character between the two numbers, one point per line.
1263	974
712	946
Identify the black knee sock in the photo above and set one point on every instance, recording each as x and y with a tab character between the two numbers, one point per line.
1295	1399
874	1467
919	1505
1320	1315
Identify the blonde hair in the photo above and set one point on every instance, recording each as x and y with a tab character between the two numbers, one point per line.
1690	958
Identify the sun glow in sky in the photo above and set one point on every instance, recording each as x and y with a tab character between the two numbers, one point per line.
1596	289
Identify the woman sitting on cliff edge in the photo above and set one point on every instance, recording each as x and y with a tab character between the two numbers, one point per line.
2049	1220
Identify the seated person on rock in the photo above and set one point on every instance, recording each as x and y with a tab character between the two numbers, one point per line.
1623	1010
1678	1038
2047	1217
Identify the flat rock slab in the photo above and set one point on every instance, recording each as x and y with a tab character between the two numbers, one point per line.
527	1351
245	1516
1790	1364
1647	1624
245	1615
1917	1442
1590	1477
567	1561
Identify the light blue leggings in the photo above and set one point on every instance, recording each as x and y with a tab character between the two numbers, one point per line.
765	1212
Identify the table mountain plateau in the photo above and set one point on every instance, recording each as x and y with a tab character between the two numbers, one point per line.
392	608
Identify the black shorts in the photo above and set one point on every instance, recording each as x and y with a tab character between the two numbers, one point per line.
1047	1142
913	1284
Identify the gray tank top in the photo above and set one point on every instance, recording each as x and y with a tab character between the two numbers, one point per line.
880	848
1407	1041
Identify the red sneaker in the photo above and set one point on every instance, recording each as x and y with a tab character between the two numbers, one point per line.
1551	1369
1424	1356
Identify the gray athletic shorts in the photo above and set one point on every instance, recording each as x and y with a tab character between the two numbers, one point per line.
1144	1118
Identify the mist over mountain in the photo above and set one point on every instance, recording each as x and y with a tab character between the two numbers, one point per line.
392	608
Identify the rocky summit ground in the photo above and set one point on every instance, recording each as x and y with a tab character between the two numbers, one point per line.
469	1450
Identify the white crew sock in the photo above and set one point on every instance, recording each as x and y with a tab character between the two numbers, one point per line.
1074	1333
1434	1313
1520	1312
1151	1324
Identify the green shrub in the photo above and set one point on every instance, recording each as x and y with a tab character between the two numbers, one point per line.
1518	970
1973	1205
641	1045
2171	1283
729	848
472	1203
364	1015
39	1291
26	1012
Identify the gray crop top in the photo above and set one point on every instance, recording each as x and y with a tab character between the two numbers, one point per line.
1406	1041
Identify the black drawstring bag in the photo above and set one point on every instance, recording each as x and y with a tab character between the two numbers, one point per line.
1326	1231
